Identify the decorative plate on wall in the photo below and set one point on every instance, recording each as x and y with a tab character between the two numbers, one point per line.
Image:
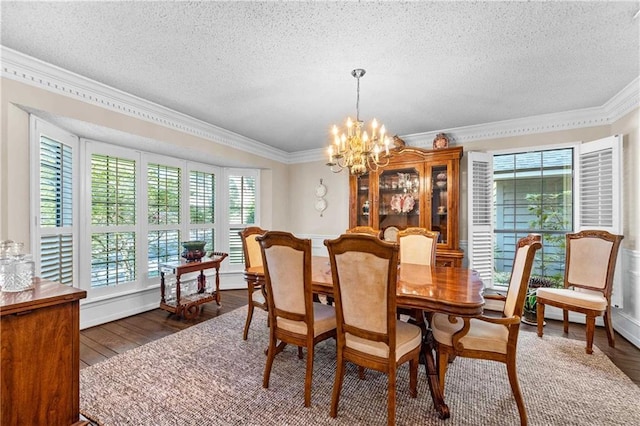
321	205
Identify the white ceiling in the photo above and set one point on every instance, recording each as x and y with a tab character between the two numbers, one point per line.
280	72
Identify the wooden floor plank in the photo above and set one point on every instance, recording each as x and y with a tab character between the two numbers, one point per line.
110	340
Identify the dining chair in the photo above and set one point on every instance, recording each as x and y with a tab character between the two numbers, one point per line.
367	230
364	271
293	316
418	246
490	338
255	284
588	280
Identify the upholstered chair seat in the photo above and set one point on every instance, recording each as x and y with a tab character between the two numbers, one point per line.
583	299
482	335
408	337
324	320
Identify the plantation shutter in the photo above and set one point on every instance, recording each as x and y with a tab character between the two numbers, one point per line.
54	201
241	211
599	194
480	215
113	220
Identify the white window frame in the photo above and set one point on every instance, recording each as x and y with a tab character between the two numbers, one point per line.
147	159
93	293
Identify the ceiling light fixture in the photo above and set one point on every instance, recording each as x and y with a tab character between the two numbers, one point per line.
355	149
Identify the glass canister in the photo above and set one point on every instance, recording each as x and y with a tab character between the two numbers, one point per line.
24	273
7	274
16	269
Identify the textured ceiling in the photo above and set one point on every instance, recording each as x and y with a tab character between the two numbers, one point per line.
279	72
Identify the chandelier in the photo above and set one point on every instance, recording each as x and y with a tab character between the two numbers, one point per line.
356	149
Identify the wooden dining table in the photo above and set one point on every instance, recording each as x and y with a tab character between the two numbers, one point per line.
448	290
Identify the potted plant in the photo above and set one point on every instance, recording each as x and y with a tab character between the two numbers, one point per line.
530	301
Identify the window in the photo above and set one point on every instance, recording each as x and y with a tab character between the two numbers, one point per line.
242	210
113	220
533	193
549	192
108	228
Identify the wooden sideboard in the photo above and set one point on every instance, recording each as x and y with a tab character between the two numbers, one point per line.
40	355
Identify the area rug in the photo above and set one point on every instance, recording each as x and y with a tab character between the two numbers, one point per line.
207	375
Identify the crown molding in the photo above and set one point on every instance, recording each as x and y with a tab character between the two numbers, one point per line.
26	69
618	106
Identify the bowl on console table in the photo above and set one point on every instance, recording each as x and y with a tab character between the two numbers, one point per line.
193	250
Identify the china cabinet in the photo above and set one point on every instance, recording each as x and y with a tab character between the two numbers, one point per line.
418	187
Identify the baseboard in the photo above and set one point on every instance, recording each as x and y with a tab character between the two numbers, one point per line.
105	310
627	326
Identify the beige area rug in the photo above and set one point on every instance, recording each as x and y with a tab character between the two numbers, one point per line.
207	375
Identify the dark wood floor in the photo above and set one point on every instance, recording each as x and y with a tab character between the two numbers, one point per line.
104	341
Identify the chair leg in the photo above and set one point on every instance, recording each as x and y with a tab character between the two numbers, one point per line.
565	321
540	318
515	388
413	377
248	322
308	376
271	354
591	328
361	375
300	352
391	391
337	386
608	325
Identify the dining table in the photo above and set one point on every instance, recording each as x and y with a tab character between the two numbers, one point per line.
442	289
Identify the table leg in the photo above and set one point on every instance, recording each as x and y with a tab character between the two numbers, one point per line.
162	300
428	348
218	286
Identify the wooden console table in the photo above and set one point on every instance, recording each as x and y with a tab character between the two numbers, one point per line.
188	305
40	370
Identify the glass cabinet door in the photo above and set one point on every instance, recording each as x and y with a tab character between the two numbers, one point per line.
399	198
440	201
363	201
